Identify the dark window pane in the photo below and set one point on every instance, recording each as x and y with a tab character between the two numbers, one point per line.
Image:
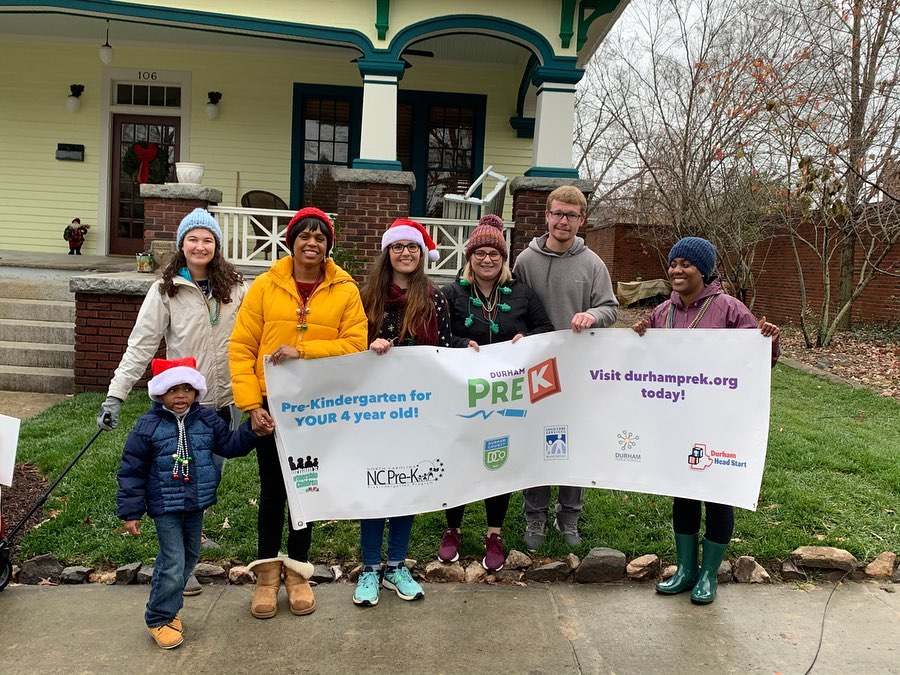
173	97
138	212
123	94
157	96
128	132
141	94
155	134
319	188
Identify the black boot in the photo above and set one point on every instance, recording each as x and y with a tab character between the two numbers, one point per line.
686	560
705	589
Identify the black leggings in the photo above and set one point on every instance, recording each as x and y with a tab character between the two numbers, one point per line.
495	508
719	519
272	501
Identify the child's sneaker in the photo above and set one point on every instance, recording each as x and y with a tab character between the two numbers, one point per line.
166	636
399	579
366	594
449	550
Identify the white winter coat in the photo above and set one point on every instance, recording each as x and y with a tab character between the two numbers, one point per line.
183	320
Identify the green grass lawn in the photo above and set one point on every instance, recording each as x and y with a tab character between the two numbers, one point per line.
832	478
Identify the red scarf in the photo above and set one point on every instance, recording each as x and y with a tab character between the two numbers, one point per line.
423	335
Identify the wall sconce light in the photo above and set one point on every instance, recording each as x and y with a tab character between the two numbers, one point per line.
106	52
73	100
212	107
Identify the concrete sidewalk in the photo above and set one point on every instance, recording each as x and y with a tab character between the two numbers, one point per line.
458	628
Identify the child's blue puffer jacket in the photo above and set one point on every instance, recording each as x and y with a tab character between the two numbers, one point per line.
145	473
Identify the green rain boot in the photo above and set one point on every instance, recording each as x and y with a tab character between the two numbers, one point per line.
686	560
705	589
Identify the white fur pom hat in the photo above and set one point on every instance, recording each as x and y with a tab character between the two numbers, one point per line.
170	373
404	229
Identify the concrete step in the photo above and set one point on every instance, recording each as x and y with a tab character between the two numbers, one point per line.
36	354
46	332
37	310
45	380
36	290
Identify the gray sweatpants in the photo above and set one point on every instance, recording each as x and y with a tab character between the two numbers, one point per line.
537	503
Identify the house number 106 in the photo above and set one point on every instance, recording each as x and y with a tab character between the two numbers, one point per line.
145	75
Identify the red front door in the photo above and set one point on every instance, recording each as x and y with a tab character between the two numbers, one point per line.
126	216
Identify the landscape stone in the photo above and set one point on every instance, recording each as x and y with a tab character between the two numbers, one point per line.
790	572
725	573
337	572
353	574
145	574
45	566
475	573
126	574
438	571
748	571
108	578
883	566
322	574
553	571
600	565
75	574
668	572
208	573
239	574
508	576
824	557
517	560
643	567
573	561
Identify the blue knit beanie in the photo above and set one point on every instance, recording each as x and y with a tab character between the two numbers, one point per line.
698	251
193	220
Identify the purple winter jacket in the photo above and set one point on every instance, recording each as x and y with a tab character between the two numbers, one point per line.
724	311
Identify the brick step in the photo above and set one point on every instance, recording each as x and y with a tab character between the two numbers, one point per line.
31	290
37	310
44	380
37	355
45	332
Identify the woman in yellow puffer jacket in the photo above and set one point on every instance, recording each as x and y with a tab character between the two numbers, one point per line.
303	307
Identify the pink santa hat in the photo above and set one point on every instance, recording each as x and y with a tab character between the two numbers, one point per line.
404	229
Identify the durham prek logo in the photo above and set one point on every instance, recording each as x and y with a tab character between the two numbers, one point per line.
496	452
510	387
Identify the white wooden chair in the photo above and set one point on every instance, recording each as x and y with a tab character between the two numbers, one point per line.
467	207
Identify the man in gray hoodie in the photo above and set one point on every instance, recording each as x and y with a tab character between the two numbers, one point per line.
574	286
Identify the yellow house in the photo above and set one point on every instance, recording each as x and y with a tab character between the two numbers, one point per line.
296	98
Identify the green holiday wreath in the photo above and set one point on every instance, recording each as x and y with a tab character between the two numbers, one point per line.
159	168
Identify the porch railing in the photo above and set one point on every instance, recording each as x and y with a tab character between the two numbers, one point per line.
255	238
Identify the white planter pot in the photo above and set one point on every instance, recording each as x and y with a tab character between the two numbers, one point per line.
189	173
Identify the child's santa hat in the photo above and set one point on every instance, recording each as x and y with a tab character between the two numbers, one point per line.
404	229
170	373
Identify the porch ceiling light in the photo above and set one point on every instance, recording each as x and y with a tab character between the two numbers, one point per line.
212	106
73	100
106	51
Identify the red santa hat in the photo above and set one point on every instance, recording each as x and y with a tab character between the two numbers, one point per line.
170	373
404	229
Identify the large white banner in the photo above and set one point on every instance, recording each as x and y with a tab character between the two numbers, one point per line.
676	412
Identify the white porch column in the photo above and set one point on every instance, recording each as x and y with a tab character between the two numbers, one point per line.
554	123
378	133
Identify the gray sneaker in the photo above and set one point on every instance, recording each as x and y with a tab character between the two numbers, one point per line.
569	531
535	532
192	587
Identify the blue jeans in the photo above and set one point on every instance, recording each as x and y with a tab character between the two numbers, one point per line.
371	534
179	549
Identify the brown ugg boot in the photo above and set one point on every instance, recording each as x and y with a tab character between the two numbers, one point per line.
296	575
264	604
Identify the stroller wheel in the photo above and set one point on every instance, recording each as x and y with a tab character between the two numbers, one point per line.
5	571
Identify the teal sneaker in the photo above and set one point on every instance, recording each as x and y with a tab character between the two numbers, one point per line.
400	580
366	594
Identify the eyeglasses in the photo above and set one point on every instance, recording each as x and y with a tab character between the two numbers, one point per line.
481	255
399	248
559	215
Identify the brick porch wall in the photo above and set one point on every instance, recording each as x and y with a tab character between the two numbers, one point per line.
102	326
